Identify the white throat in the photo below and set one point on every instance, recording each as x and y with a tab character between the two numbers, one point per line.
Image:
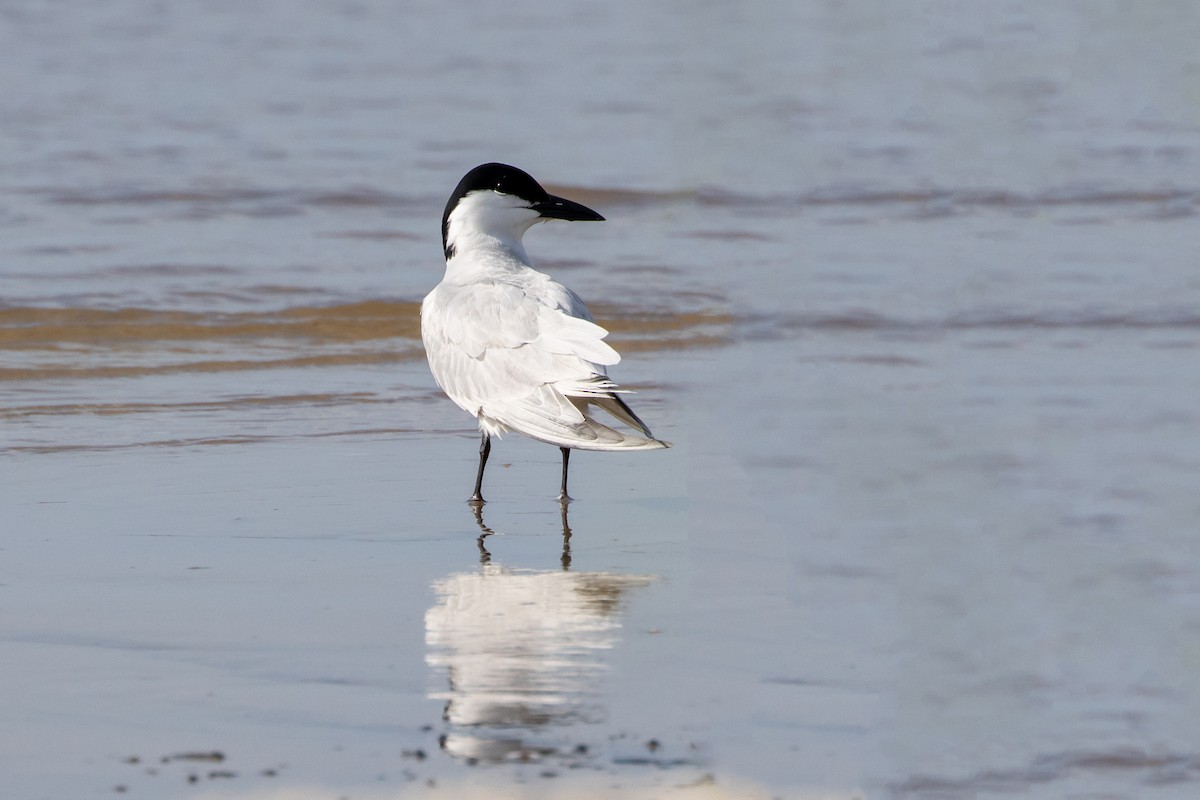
488	225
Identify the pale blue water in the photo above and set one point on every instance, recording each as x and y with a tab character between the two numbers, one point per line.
912	291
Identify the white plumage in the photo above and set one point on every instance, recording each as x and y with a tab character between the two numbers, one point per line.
510	345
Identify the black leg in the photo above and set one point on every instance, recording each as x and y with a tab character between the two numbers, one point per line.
485	448
562	494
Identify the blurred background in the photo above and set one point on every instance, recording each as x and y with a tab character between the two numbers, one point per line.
912	289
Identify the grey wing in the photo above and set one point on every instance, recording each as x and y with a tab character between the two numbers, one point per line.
493	349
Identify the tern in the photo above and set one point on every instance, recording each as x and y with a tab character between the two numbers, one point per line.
509	344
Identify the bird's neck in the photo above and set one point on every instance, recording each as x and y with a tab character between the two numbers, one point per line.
478	254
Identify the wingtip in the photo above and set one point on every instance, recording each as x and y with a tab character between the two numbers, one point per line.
651	444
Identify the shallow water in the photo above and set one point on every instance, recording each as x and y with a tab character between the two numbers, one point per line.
913	295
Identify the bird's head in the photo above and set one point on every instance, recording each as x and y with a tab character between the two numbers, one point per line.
502	202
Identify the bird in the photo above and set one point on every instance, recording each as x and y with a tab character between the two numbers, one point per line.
509	344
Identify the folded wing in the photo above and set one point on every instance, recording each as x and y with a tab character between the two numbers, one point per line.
522	364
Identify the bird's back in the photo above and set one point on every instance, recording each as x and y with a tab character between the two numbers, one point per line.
502	333
520	351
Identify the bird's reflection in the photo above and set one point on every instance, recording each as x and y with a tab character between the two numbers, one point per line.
523	651
485	557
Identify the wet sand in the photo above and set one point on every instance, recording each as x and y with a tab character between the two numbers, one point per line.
770	615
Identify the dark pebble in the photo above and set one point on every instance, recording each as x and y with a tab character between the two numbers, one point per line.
215	756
